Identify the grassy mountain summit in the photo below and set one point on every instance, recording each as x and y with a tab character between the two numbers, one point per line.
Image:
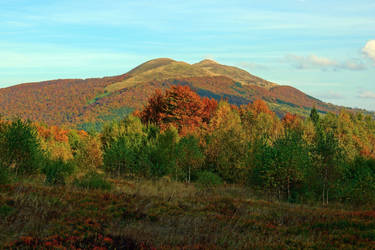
94	100
163	69
149	65
159	70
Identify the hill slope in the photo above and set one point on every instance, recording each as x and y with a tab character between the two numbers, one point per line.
80	101
237	74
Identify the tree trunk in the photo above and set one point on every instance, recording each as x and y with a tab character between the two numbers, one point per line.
189	175
118	171
288	188
325	186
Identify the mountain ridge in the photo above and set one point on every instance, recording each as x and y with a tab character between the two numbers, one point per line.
74	102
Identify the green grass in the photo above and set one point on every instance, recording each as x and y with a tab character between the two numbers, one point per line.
168	215
98	97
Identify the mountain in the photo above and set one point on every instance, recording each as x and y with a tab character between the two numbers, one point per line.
80	102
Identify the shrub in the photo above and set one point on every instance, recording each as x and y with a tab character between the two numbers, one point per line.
4	175
57	170
208	179
93	180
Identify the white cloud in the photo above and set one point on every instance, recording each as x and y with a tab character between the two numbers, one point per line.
352	65
367	95
310	62
322	63
369	49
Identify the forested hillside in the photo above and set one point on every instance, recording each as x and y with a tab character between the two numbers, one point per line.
88	103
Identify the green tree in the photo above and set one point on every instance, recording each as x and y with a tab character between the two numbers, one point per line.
280	167
327	159
122	154
291	156
358	182
263	171
126	146
20	148
314	116
163	154
189	156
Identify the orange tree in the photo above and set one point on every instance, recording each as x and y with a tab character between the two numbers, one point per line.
180	107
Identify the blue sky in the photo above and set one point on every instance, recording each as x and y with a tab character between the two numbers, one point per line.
324	48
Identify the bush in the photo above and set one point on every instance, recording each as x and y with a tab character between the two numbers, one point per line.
208	179
4	175
57	170
93	181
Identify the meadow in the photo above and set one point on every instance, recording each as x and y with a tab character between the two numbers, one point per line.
160	214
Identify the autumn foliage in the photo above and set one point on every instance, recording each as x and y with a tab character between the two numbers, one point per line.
180	138
179	107
291	121
180	135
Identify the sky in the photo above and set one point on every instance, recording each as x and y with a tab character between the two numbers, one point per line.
324	48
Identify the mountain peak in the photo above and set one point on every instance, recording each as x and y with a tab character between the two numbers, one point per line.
162	59
207	61
152	64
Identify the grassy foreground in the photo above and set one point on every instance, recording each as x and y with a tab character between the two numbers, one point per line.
167	215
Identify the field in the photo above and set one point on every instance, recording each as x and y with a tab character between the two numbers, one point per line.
161	214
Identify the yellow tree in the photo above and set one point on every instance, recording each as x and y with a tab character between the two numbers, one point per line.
226	145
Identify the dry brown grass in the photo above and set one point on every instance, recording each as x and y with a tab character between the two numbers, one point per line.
170	215
172	70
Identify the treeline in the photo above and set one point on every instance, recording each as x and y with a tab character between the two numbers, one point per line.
183	137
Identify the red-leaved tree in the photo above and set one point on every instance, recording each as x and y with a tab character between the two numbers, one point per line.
180	107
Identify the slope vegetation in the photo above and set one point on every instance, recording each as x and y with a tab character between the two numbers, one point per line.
81	101
237	74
